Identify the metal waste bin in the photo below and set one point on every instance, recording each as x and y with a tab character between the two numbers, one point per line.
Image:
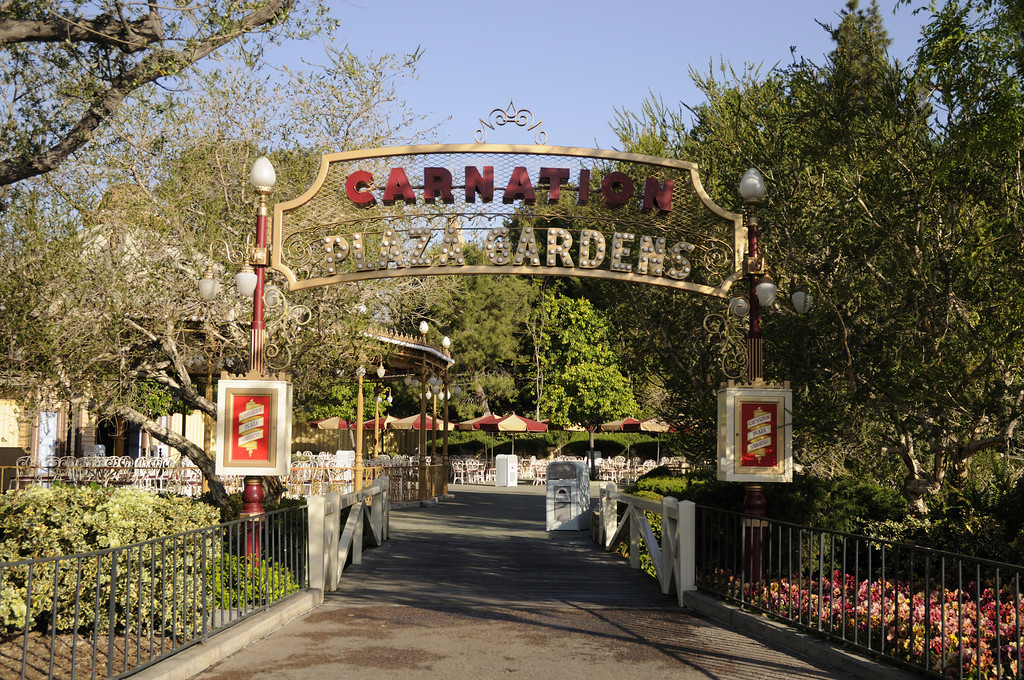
506	470
568	496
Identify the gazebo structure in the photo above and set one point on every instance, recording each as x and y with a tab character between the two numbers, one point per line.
423	365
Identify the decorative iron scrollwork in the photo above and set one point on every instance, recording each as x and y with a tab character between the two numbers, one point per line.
730	341
502	117
283	322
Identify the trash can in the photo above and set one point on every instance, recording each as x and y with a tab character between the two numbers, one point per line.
506	470
568	496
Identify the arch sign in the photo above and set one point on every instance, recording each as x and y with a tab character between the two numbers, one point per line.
531	210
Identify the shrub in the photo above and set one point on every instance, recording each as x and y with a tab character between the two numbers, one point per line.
151	580
841	504
237	581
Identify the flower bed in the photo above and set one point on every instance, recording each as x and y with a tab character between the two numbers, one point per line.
973	632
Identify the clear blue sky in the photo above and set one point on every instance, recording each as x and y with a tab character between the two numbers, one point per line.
573	62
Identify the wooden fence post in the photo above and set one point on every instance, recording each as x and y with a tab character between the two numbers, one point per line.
316	554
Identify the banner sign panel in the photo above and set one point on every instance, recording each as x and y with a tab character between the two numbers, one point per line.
755	434
253	427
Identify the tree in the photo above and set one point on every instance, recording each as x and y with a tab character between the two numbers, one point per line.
582	382
69	66
911	356
99	298
487	322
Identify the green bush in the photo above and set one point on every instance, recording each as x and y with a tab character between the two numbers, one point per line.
841	504
238	582
233	510
150	581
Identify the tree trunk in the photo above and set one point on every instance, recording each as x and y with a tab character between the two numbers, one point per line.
481	398
917	489
593	461
190	450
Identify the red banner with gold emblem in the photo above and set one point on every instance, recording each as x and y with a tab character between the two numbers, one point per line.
250	428
758	432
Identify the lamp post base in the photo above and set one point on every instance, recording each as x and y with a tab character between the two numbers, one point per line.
755	535
252	506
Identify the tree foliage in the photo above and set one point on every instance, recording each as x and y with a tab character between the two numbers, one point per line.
69	66
912	353
582	381
99	292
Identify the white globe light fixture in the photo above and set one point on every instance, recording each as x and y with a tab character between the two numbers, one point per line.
424	327
802	301
381	371
245	281
752	185
766	290
209	286
262	175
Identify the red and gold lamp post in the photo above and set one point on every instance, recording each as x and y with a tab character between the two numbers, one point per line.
250	282
760	292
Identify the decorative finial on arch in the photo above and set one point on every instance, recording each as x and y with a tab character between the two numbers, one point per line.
521	117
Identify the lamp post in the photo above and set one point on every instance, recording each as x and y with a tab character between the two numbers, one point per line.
422	495
446	343
358	481
381	395
263	178
761	291
250	282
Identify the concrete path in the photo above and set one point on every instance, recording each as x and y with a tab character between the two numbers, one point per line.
475	588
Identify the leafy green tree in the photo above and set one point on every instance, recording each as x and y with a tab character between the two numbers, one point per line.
68	66
909	365
487	325
99	298
582	381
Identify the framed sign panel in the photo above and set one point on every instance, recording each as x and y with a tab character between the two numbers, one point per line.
254	427
755	434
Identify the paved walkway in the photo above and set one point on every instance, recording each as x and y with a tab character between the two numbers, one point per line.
475	588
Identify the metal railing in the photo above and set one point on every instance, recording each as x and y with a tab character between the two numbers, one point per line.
939	613
112	612
186	480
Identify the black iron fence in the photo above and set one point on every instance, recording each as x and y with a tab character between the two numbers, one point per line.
112	612
945	614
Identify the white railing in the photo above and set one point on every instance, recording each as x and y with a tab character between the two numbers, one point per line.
674	556
330	543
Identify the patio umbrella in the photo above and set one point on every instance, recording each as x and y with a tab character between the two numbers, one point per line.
635	425
416	423
385	423
473	423
656	426
513	424
624	425
334	423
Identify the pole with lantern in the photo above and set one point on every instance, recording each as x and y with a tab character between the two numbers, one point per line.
424	328
380	394
358	474
446	343
250	282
